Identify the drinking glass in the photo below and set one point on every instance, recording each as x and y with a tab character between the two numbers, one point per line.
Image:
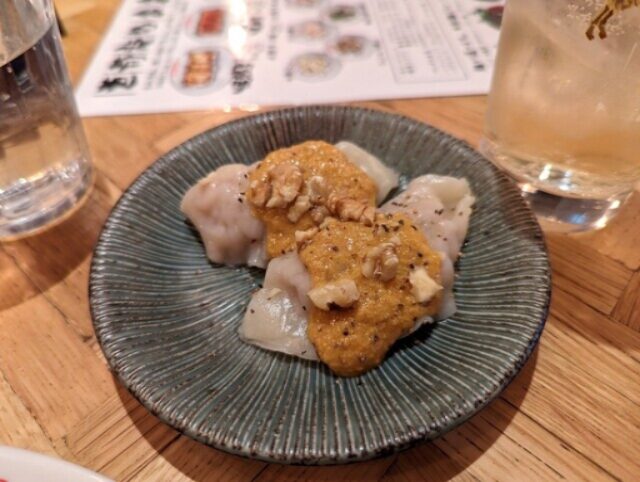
564	110
45	168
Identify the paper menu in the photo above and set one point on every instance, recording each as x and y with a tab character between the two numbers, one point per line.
178	55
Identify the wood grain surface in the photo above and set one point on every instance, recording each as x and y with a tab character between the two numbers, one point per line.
573	413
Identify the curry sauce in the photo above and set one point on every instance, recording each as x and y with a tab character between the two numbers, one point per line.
373	275
312	158
354	340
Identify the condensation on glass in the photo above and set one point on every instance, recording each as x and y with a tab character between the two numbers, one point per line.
45	167
564	110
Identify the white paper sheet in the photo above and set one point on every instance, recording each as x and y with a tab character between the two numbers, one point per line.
179	55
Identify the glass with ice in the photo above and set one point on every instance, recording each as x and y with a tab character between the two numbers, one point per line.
564	110
45	168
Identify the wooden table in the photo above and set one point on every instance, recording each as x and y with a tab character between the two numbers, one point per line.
573	412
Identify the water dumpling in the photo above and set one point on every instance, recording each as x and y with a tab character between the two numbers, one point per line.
447	230
227	206
217	207
383	176
276	318
345	279
440	206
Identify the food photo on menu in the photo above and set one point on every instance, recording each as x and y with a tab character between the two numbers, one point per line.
247	240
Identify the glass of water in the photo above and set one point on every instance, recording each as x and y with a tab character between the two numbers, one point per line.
564	110
45	168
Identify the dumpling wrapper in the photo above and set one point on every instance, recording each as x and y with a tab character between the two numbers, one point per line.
228	228
440	206
230	232
279	322
383	176
276	318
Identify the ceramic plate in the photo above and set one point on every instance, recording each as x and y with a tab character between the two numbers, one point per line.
17	465
167	318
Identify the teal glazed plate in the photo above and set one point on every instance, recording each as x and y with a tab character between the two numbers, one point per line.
167	318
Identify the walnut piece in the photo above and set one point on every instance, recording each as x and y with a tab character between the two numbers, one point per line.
381	262
316	189
302	237
326	221
286	182
423	287
379	217
313	195
346	208
260	192
297	210
349	209
368	216
342	293
285	185
318	214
